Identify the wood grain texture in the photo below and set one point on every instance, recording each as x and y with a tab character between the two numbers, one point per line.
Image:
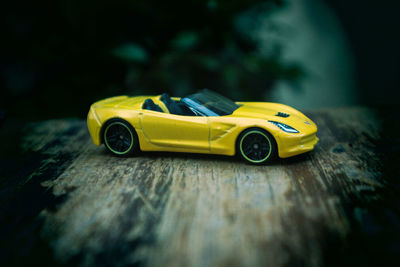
170	209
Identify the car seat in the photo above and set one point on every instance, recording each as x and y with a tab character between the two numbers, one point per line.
175	107
150	105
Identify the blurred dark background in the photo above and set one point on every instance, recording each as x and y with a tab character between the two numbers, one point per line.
60	56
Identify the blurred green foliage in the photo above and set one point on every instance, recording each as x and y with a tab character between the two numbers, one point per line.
62	55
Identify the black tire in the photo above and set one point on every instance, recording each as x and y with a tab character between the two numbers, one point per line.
120	138
256	146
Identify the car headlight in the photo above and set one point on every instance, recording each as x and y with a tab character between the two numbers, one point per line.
284	127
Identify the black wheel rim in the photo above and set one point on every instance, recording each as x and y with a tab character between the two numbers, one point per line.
255	146
118	138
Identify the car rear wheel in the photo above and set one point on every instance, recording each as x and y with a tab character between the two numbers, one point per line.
120	138
256	146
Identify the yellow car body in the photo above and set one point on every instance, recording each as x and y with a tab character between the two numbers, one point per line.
162	131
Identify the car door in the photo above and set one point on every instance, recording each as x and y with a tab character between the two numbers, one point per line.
190	133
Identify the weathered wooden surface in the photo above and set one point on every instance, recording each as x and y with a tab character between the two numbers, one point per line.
66	201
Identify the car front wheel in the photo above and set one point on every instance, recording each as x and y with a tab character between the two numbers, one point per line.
256	146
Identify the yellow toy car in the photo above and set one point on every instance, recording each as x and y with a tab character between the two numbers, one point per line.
204	122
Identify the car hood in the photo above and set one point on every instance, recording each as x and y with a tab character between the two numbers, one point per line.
273	112
255	111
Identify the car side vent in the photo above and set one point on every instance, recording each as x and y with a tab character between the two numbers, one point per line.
281	114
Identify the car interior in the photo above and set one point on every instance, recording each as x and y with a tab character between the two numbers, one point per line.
174	107
150	105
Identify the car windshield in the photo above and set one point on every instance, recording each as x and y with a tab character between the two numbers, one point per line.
210	103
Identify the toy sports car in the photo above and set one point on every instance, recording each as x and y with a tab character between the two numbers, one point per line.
204	122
